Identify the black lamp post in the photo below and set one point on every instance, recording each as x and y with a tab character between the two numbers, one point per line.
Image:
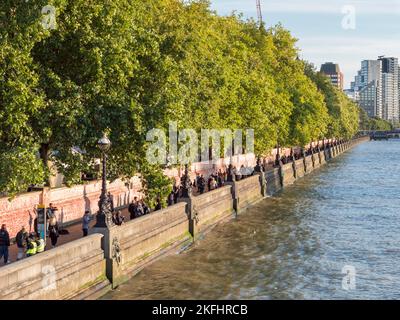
186	184
104	216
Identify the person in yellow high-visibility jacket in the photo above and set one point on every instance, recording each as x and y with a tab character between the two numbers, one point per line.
40	245
32	247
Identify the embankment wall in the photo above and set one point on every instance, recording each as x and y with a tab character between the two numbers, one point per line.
85	268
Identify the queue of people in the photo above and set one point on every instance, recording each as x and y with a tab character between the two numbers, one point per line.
215	180
284	159
138	208
28	244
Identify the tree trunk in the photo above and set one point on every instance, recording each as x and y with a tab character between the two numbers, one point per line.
44	155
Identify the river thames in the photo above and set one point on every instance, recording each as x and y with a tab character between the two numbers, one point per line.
298	244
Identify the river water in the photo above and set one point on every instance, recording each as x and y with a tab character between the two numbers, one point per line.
299	244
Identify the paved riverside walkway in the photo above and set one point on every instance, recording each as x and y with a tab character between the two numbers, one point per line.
75	232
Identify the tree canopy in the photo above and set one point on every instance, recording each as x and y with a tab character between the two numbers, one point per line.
129	66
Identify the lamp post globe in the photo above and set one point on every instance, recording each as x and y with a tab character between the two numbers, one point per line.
104	143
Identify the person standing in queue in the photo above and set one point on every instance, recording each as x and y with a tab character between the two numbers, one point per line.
4	243
158	205
171	199
132	209
21	239
85	223
201	184
118	218
40	244
176	193
31	247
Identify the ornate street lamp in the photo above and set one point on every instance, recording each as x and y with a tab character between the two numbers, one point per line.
104	216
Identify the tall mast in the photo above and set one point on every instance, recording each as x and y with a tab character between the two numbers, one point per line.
259	13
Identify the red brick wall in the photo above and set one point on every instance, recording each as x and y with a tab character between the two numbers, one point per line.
71	202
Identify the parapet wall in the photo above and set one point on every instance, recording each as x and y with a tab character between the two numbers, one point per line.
142	240
248	191
212	207
56	274
288	175
108	257
300	168
273	179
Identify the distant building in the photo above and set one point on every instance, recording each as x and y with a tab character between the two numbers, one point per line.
353	95
390	88
332	70
368	87
376	88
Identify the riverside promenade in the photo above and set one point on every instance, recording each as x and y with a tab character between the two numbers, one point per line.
88	267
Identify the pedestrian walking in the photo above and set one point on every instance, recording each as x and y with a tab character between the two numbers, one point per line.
4	243
21	239
54	234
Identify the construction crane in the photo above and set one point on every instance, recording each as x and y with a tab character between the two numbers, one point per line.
259	13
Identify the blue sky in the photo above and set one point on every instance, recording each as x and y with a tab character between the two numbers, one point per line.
318	24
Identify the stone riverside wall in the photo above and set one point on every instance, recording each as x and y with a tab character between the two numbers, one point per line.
84	269
72	269
273	180
300	168
322	159
287	174
309	164
130	247
211	207
248	191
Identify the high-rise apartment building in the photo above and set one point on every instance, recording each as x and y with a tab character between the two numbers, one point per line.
390	88
332	70
376	88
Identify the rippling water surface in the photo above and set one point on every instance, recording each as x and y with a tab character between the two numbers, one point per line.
295	245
